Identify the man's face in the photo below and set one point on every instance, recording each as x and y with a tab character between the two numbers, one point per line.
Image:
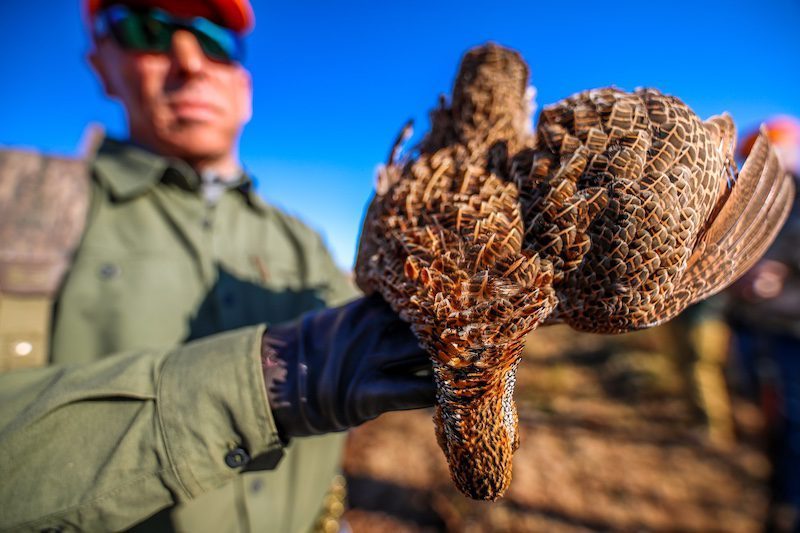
181	103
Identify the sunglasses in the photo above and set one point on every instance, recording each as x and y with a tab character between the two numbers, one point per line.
151	31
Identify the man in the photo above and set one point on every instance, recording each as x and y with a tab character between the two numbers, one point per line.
238	431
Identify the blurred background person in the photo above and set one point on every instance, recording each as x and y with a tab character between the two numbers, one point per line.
764	311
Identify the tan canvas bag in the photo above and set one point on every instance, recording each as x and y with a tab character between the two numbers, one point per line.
43	206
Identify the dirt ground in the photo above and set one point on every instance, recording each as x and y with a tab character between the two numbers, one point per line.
612	439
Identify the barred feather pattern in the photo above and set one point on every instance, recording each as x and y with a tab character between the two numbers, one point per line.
663	176
621	211
443	243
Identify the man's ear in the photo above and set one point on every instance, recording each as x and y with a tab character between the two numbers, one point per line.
95	59
245	95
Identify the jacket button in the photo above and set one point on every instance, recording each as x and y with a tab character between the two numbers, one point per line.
109	271
237	457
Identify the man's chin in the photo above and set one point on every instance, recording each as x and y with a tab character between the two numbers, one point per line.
197	141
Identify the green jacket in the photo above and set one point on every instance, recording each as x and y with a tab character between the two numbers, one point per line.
131	419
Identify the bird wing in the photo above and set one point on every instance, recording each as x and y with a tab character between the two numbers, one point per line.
746	219
723	130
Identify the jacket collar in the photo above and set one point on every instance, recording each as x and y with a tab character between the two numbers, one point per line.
129	171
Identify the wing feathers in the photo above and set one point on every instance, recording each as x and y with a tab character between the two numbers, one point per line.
768	183
741	195
769	227
724	131
744	226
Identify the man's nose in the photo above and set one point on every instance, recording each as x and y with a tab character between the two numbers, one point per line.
188	55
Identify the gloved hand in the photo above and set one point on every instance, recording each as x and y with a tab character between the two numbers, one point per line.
337	368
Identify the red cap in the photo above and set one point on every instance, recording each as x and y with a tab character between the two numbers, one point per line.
234	14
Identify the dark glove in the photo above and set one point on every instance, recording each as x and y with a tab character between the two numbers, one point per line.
334	369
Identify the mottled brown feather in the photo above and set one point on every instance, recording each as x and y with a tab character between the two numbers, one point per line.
443	242
679	223
756	208
625	209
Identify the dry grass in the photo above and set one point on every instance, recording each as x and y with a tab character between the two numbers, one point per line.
609	442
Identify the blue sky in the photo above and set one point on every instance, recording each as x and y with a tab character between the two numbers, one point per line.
335	80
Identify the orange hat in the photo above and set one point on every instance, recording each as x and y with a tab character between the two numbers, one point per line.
234	14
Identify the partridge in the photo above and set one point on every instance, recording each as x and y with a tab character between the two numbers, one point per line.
623	209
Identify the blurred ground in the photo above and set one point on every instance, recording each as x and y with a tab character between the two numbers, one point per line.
610	441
